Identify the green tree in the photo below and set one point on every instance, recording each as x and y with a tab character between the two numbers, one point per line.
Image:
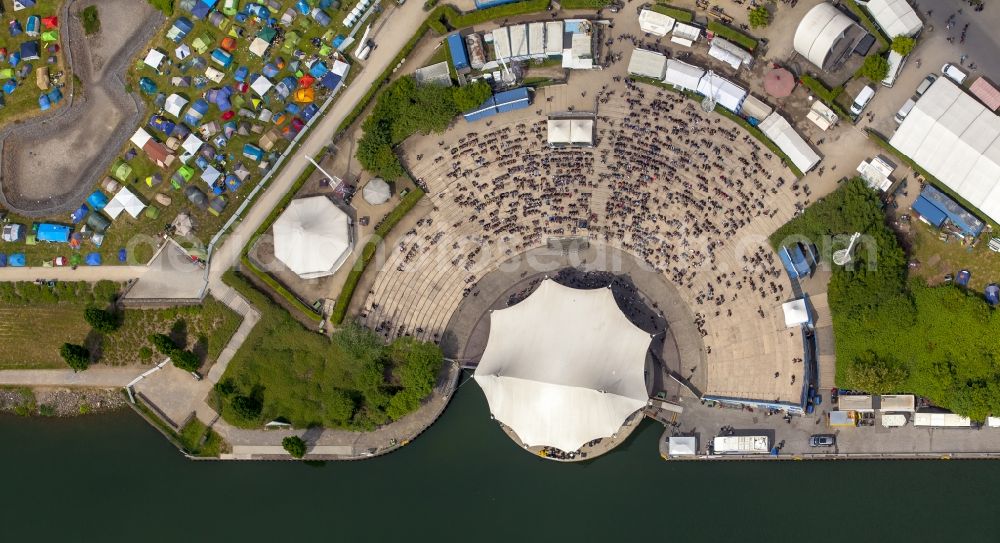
760	17
295	446
247	407
875	68
226	387
415	365
91	21
76	356
471	96
163	344
185	360
101	320
903	44
338	408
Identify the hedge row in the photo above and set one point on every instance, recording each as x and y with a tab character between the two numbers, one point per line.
883	143
381	231
444	19
681	15
827	96
584	4
732	35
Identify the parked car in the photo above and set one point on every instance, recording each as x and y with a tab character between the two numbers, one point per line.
926	84
861	101
822	440
905	110
954	73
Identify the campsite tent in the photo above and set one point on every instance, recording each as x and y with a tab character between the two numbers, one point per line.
564	366
781	132
175	104
154	58
312	237
377	191
97	200
125	200
53	233
181	27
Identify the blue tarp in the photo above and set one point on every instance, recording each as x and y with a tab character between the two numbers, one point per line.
97	200
958	215
330	80
43	103
93	259
458	55
16	260
929	212
513	99
181	27
55	233
487	109
79	214
491	3
992	293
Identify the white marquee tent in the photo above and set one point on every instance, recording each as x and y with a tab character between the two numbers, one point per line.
647	63
377	191
571	131
725	93
312	237
174	104
261	85
682	446
553	38
796	312
730	53
564	366
957	140
895	17
820	32
154	58
655	23
125	201
781	132
685	34
683	75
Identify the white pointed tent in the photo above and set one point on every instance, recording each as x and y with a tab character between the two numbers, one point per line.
564	367
377	191
125	201
174	104
312	237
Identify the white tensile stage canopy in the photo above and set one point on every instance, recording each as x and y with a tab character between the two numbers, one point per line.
564	367
312	237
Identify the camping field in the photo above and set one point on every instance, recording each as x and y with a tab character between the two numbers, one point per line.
23	102
938	258
26	346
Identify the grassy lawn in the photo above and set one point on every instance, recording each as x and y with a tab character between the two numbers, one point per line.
26	308
23	102
199	440
938	258
91	20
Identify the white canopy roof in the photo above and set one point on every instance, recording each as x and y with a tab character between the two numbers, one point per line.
564	366
182	51
686	32
647	63
796	312
755	107
558	130
821	115
877	173
174	104
780	131
564	131
726	93
730	53
682	446
655	23
125	201
536	39
957	140
501	42
377	191
312	237
259	46
140	137
896	17
190	146
553	38
683	75
154	58
819	31
261	85
518	41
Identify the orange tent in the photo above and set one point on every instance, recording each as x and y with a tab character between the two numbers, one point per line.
229	43
305	96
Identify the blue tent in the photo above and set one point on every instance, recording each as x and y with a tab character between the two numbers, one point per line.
963	277
292	108
201	9
43	102
79	214
3	260
241	74
270	70
320	16
54	233
459	58
992	293
330	80
303	7
486	109
195	112
318	69
258	10
55	96
253	152
16	260
308	112
929	212
221	98
951	209
9	86
513	99
232	182
147	85
122	255
32	25
15	28
93	259
30	50
222	58
14	59
181	27
161	123
97	200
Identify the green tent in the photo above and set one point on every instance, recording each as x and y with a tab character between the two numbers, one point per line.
51	35
152	212
267	34
6	73
202	43
181	177
121	170
291	40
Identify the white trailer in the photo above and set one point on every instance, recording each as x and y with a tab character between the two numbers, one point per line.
741	445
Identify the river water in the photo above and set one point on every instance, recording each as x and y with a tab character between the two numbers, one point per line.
112	477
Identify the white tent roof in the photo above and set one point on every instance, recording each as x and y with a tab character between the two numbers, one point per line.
819	31
957	140
780	131
312	237
582	131
655	23
755	107
647	63
259	46
174	104
682	446
730	53
683	75
190	146
140	138
564	366
821	115
536	39
896	17
501	42
125	201
182	51
261	85
726	93
377	191
558	130
519	41
796	312
154	58
686	32
553	38
877	173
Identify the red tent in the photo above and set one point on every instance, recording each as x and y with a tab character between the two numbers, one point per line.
306	81
51	22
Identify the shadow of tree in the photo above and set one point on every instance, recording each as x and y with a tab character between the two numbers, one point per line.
179	333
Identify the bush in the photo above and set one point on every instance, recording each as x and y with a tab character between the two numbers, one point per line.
584	4
295	446
681	15
732	35
101	320
875	68
247	407
472	96
76	356
91	21
145	353
903	44
163	344
760	17
185	360
166	6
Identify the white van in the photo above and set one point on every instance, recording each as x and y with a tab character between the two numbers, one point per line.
862	99
896	62
905	110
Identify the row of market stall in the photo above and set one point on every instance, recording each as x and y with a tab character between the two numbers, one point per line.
727	94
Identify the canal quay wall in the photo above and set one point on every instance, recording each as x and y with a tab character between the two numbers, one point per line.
852	443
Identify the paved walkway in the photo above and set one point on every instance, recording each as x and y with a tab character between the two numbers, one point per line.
93	377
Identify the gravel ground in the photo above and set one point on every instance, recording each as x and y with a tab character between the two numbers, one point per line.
60	401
